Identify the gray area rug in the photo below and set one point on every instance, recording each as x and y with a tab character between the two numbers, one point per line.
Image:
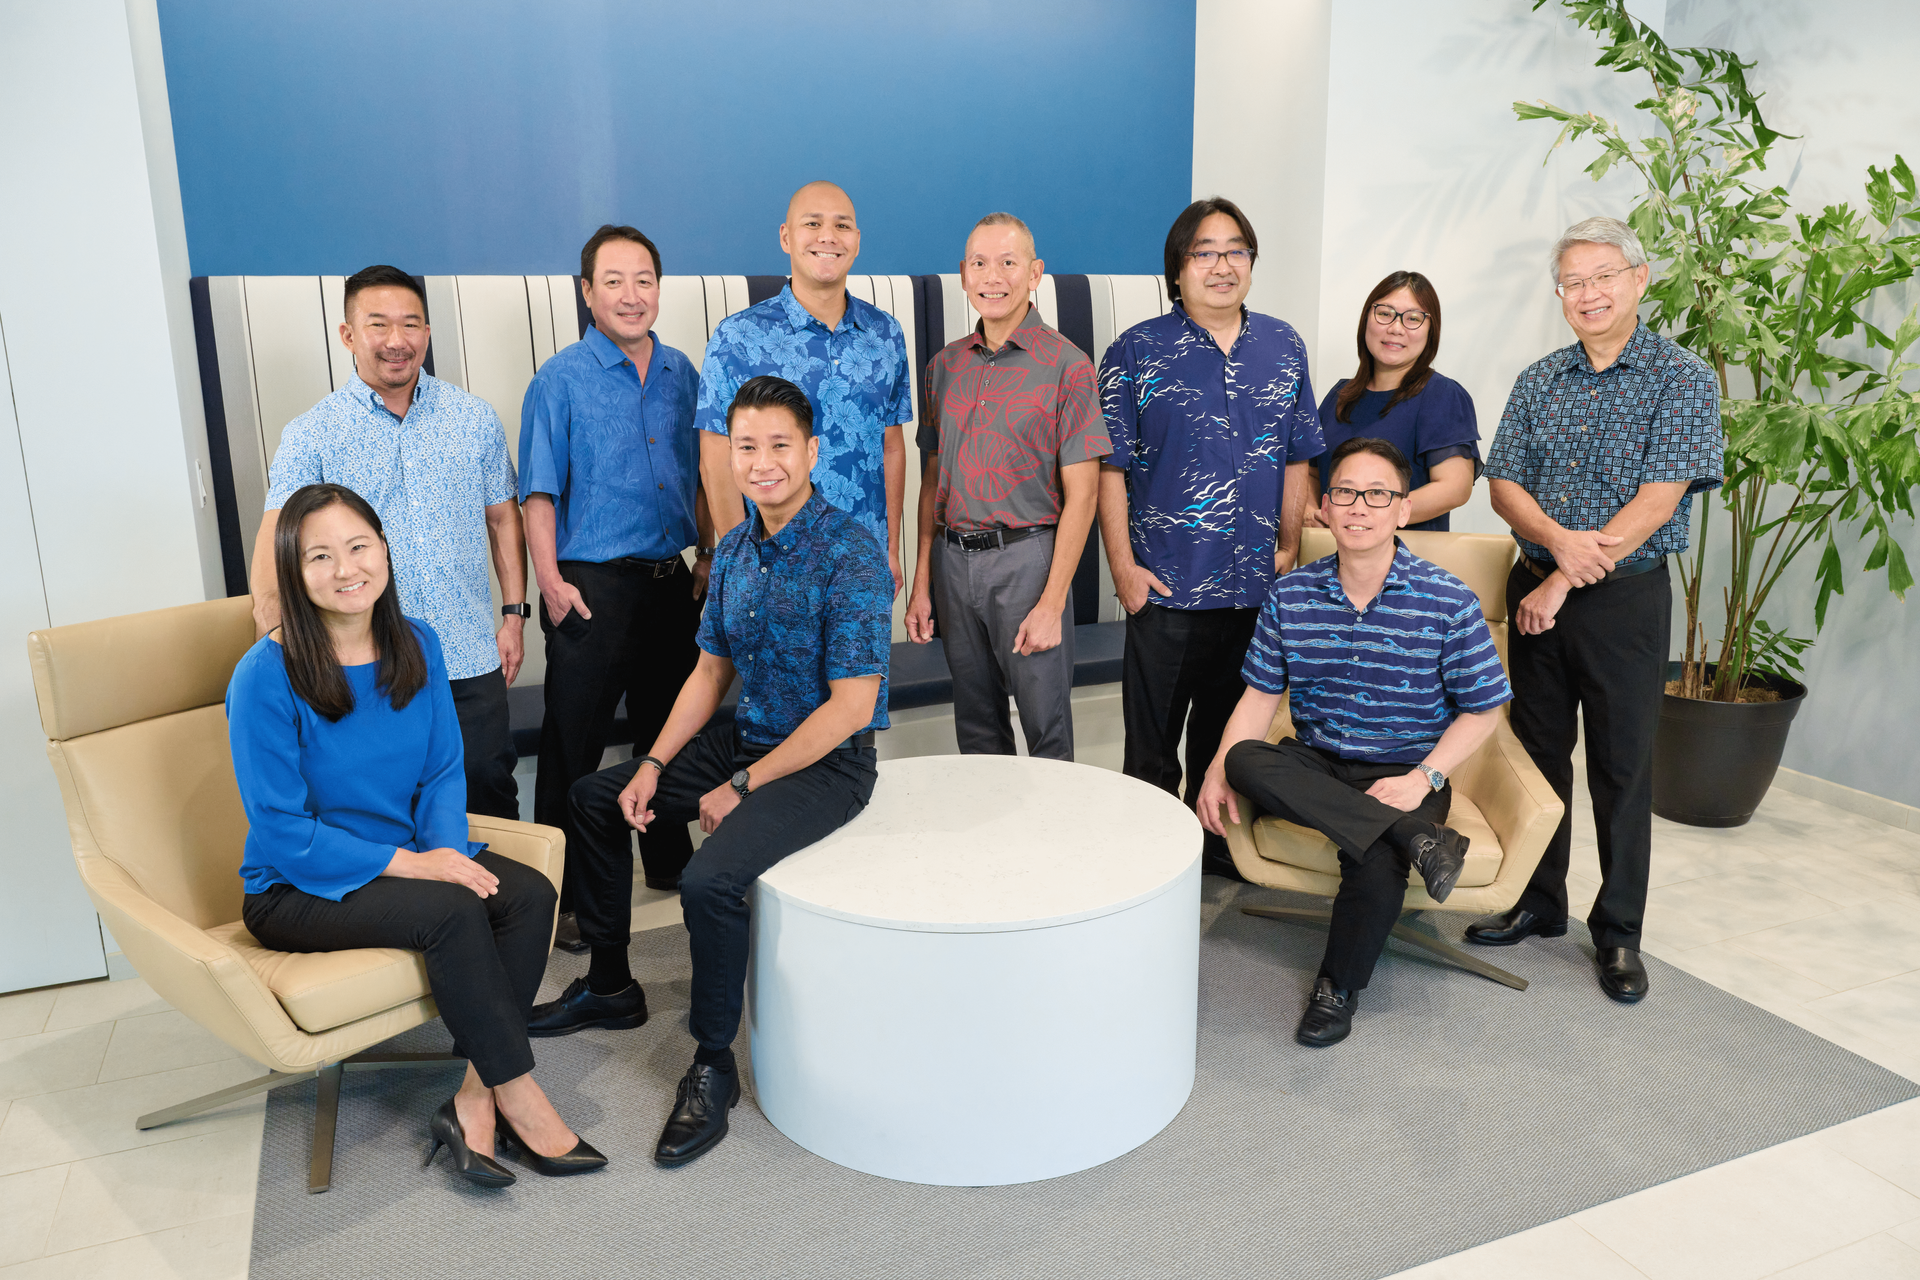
1458	1112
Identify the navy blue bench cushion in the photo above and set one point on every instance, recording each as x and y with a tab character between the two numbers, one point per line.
918	678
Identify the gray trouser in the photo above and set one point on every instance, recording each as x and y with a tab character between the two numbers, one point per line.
981	598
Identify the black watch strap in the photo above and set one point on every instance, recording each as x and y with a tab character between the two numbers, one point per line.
742	783
516	611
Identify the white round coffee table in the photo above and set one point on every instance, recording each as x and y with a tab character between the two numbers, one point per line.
990	976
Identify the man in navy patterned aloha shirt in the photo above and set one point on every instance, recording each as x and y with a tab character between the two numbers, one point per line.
1601	448
432	461
850	358
799	605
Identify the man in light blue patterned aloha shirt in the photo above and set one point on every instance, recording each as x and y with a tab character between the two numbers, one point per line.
432	462
850	358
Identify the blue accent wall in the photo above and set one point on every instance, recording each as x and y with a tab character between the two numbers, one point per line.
492	136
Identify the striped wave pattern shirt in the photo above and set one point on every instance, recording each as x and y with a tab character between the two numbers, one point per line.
1381	683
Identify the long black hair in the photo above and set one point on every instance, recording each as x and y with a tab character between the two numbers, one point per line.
312	668
1416	380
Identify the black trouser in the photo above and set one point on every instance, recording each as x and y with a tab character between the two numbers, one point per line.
486	733
484	956
1605	660
1181	672
779	818
1294	781
639	643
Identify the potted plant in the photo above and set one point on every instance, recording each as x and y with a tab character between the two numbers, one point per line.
1820	437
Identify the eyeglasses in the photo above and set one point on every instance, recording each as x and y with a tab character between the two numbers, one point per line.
1344	497
1235	257
1384	315
1602	280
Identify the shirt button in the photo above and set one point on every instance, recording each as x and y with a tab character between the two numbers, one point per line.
763	568
649	439
750	613
662	486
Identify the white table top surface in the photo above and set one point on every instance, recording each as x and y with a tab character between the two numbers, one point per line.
985	844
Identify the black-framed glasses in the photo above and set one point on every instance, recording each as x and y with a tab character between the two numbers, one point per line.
1603	280
1384	315
1234	257
1340	496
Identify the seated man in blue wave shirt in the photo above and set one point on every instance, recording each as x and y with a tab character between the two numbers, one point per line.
1395	683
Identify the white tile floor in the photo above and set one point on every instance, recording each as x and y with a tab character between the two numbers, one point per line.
1809	911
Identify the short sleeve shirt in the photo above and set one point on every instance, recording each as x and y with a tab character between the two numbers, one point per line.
1381	683
1205	437
810	604
619	457
1582	443
1004	422
856	375
1430	426
430	478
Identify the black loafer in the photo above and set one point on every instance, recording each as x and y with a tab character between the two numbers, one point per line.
1329	1015
699	1118
1509	927
578	1008
1622	975
1440	858
566	936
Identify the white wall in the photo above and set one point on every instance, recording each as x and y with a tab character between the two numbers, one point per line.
99	494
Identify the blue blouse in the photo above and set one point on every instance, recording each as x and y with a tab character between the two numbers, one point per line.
329	802
1429	428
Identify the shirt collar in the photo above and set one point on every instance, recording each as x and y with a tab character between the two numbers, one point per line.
789	534
800	318
1399	574
1031	321
360	391
1193	326
1638	351
612	357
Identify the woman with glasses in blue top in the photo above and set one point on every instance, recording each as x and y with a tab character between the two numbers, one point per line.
1396	396
348	756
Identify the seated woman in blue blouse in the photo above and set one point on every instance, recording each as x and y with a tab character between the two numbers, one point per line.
349	760
1396	396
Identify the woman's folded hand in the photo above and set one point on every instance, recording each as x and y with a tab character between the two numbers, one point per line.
443	864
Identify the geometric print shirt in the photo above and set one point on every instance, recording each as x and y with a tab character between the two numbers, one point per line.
1582	443
1004	423
855	374
1205	437
430	479
810	604
1380	684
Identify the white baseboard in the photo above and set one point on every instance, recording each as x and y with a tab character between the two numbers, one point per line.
1864	803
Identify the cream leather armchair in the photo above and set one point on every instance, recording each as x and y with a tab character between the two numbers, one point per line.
1500	800
136	725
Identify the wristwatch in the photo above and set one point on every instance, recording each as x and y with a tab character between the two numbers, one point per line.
703	553
516	611
1435	778
741	782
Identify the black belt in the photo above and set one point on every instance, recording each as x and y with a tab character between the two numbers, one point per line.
1544	571
859	740
655	568
856	742
992	539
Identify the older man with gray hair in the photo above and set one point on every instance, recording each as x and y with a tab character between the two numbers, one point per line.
1600	450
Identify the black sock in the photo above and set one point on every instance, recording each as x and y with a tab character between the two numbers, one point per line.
1404	831
720	1058
607	972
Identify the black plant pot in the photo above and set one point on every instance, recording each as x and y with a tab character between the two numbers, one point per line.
1713	761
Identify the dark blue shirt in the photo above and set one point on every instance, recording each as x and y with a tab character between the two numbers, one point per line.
619	458
810	604
328	802
1205	437
1436	424
1382	683
1582	443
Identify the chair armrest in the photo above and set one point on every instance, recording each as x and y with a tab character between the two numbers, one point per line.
1513	796
542	848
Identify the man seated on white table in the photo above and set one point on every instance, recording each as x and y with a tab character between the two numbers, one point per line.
799	602
1395	683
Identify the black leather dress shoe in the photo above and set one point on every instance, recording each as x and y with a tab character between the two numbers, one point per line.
1622	976
1440	858
566	936
1329	1014
699	1118
1513	926
578	1008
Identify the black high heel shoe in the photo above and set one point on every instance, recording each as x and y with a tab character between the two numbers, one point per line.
582	1159
480	1170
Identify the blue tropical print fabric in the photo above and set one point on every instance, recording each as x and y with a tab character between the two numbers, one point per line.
430	479
1582	443
856	375
1380	683
810	604
1205	437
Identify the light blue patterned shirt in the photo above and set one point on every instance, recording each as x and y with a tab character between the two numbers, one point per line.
856	376
430	479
